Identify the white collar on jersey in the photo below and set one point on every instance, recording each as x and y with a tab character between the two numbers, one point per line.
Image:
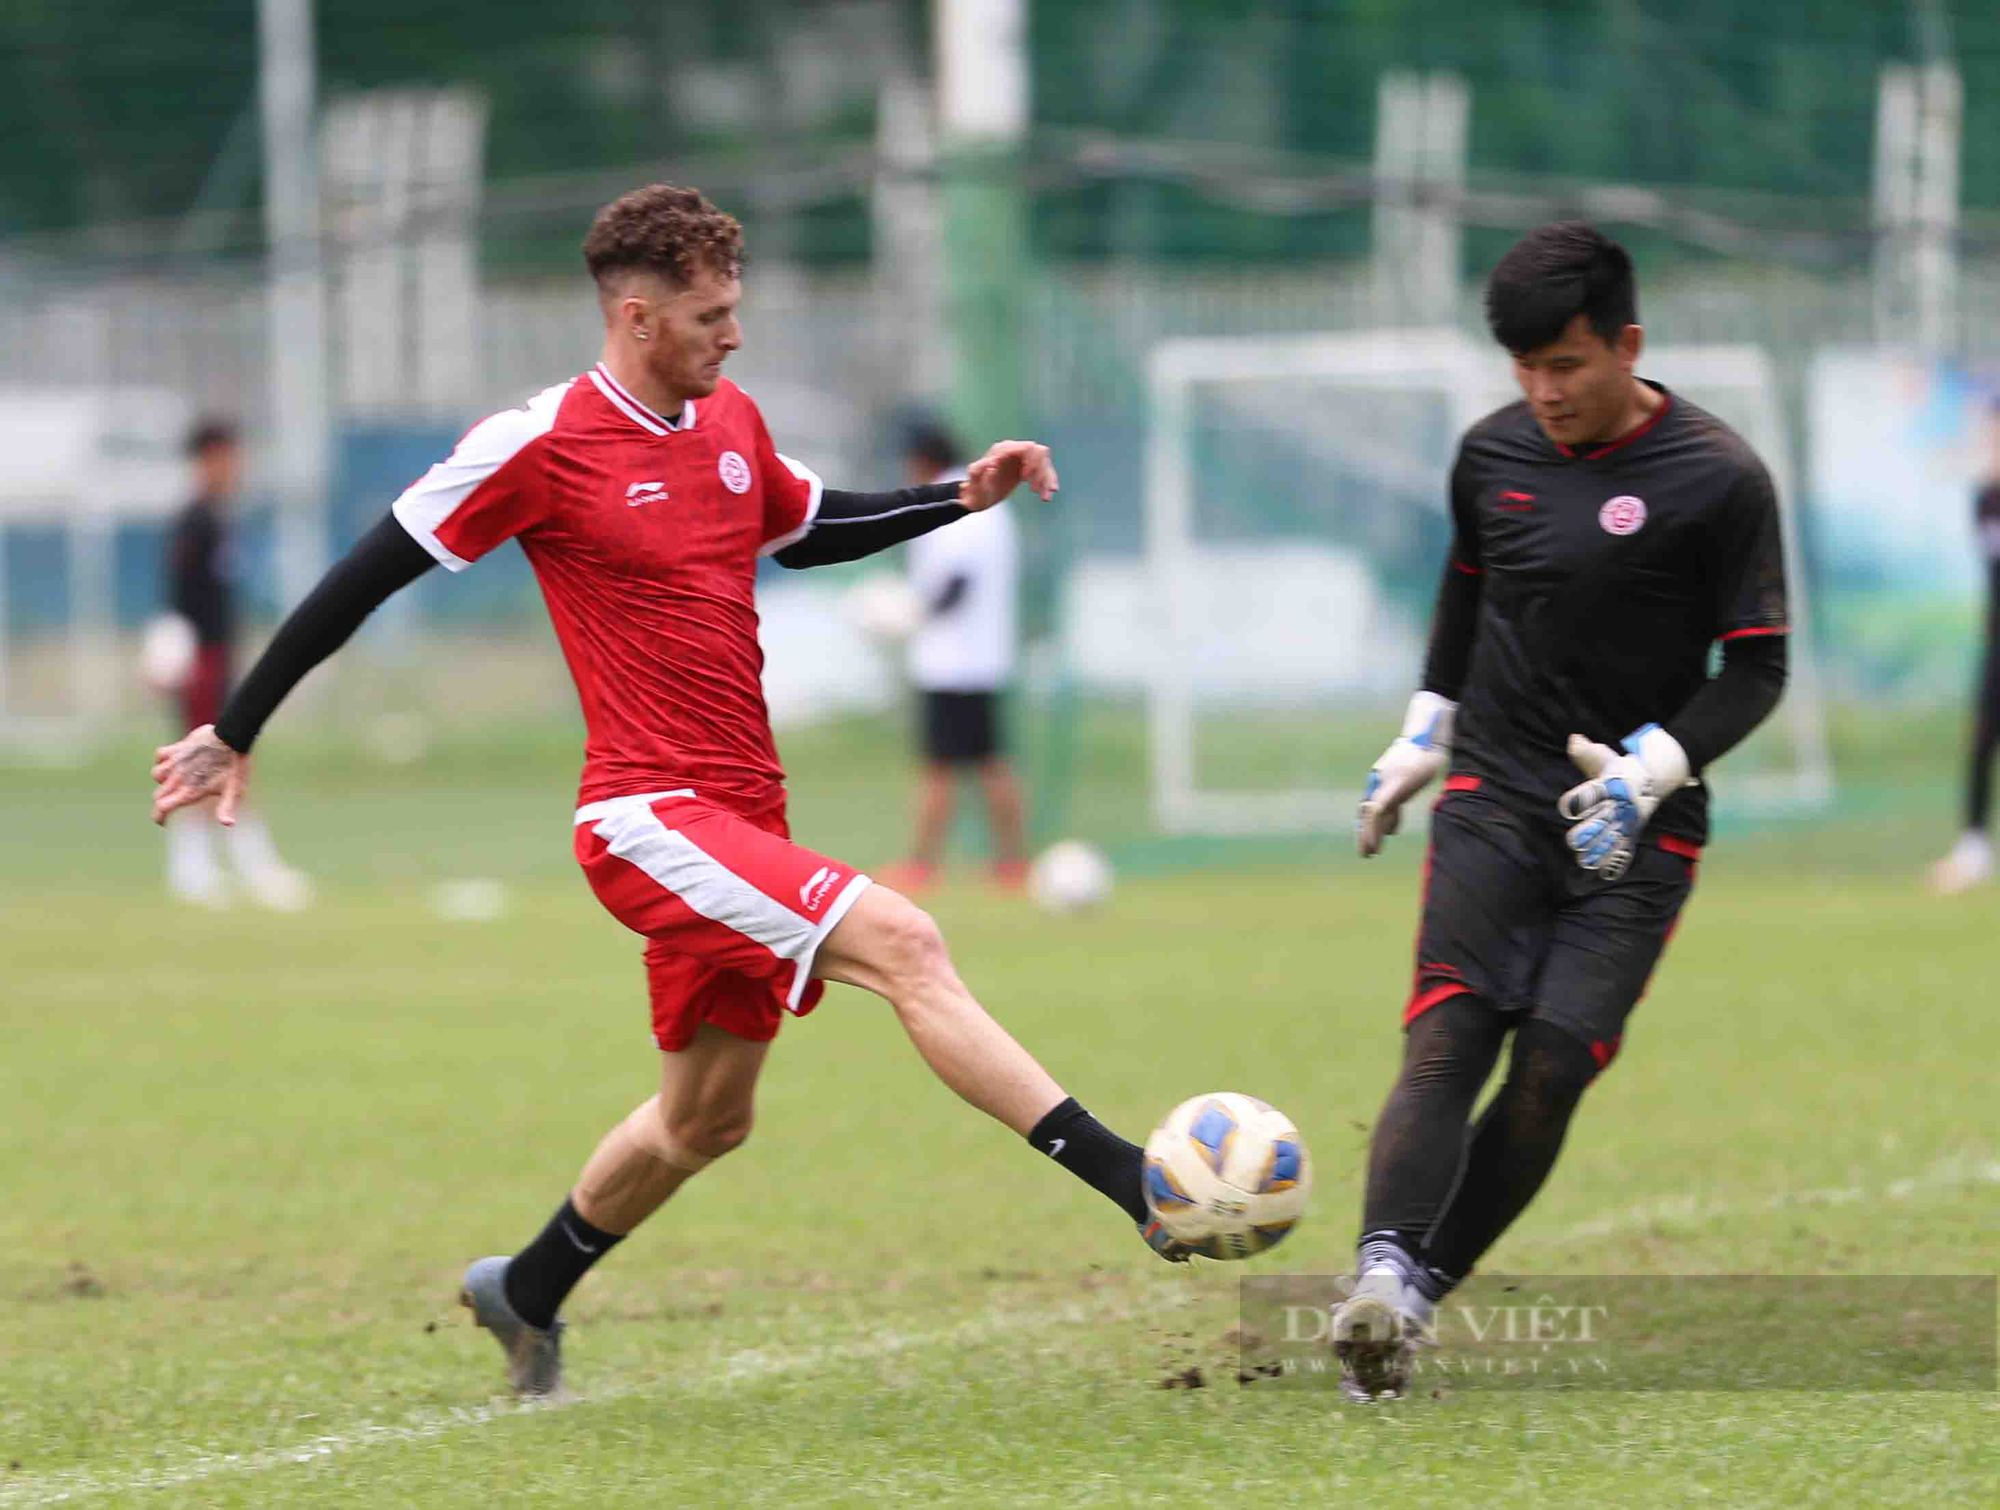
632	409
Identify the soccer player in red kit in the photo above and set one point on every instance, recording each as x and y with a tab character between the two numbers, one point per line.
643	493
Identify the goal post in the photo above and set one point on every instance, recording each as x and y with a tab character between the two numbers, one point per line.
1295	511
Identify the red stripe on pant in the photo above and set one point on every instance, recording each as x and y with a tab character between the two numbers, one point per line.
1690	852
1424	998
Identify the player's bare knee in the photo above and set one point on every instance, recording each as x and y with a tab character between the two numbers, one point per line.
688	1139
707	1136
910	950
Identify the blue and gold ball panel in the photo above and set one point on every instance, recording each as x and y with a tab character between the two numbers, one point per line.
1282	1168
1212	1131
1164	1191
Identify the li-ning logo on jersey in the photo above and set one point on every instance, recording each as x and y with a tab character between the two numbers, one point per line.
644	492
1623	515
734	471
814	891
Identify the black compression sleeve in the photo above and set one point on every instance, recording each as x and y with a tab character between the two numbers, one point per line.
849	526
382	561
1736	700
1452	628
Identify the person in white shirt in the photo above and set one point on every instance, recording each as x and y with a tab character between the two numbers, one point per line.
961	659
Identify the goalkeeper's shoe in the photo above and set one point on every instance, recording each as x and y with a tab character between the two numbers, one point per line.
1171	1248
1375	1335
534	1354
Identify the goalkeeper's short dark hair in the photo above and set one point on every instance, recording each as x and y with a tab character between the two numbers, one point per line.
1555	273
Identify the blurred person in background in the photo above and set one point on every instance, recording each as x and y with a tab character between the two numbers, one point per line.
961	659
200	585
1970	862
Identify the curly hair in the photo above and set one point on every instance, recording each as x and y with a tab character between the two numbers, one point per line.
663	229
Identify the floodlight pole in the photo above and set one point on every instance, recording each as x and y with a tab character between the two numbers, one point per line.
1420	148
982	74
982	119
909	235
295	308
1919	123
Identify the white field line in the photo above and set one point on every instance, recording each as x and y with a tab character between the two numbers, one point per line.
744	1367
1953	1172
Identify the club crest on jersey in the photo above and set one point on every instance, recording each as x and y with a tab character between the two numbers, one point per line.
817	886
1623	515
734	471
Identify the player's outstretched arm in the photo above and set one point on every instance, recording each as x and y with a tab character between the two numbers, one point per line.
213	761
849	526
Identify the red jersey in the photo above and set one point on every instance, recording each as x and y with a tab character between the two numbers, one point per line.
644	533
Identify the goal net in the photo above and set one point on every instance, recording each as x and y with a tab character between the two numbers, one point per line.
1296	521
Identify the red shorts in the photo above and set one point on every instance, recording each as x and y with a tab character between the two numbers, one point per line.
732	911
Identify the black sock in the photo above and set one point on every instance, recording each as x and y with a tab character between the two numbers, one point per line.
543	1273
1094	1154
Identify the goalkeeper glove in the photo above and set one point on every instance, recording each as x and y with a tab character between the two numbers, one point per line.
1610	809
1416	758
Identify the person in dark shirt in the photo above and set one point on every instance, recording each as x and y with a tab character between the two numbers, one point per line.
200	589
1970	862
1607	536
200	585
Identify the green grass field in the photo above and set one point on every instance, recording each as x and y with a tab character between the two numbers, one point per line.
245	1157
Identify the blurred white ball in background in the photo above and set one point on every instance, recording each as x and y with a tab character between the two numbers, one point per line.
883	607
166	652
1069	876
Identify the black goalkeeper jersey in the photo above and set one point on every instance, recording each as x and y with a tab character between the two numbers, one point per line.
1605	578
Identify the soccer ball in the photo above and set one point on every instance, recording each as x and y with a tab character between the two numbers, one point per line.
884	607
1227	1175
1069	876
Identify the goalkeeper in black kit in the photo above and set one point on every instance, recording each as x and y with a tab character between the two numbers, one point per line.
1607	534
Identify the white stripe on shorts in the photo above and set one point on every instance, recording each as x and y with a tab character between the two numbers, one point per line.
633	832
590	812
